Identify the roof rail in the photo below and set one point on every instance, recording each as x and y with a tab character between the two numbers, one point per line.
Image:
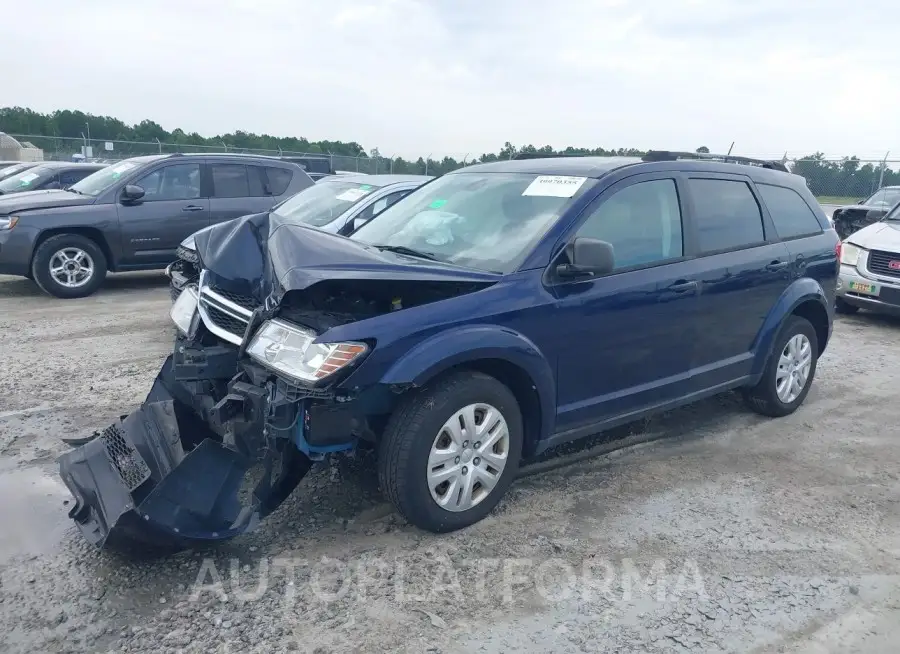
667	155
541	155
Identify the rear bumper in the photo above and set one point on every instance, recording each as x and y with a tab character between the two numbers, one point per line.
888	298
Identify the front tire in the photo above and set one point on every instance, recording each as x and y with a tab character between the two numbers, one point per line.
450	451
69	266
789	371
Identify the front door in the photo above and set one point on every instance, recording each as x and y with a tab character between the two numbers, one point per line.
625	338
171	210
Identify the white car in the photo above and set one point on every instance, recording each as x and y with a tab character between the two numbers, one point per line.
870	268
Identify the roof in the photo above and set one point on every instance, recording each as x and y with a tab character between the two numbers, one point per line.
377	180
70	164
576	166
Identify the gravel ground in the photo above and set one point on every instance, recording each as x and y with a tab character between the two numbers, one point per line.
734	534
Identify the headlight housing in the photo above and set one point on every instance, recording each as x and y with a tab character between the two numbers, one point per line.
8	222
850	254
189	243
289	349
183	310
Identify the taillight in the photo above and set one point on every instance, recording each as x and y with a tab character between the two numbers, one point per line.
837	250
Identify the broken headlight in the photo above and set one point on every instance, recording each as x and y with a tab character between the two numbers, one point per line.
182	312
290	350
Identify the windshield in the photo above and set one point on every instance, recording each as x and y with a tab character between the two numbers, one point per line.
104	178
15	169
322	202
26	180
489	221
893	214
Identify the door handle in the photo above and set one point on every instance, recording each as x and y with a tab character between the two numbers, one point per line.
682	286
776	265
192	207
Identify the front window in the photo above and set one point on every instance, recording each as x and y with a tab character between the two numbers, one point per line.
27	180
323	202
488	221
106	178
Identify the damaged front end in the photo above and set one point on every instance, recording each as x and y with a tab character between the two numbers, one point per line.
250	397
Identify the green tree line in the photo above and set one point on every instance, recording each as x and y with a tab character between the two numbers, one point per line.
62	132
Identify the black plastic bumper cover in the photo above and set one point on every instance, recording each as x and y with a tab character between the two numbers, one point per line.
135	483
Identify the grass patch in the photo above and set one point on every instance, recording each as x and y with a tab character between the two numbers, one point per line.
836	199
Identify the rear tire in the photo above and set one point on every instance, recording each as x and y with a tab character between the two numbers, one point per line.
420	446
776	394
69	266
844	307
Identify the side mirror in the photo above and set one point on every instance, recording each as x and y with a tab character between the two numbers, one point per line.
359	222
587	257
132	193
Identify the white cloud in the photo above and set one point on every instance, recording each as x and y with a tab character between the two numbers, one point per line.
414	77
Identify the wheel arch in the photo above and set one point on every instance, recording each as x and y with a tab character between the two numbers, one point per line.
91	233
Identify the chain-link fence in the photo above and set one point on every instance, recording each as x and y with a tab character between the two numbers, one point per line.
68	149
833	179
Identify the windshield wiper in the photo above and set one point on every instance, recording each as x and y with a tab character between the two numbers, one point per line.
71	190
402	249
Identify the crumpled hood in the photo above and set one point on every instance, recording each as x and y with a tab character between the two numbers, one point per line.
878	236
260	254
30	200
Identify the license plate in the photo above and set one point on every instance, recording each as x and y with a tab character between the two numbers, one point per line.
868	289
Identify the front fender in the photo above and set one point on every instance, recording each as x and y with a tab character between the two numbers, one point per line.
800	291
473	343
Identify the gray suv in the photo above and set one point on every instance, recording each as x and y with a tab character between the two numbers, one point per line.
132	215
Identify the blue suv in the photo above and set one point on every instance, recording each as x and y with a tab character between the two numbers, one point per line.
493	313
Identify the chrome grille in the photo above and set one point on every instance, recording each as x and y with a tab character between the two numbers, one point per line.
222	316
884	263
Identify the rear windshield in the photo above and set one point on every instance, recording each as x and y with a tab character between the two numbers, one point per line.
323	202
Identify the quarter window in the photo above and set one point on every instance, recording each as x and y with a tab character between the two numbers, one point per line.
642	222
790	213
726	213
279	178
178	182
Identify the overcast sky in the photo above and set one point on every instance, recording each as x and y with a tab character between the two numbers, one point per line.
414	77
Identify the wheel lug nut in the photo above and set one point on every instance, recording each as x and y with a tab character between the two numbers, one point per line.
465	443
478	444
457	460
465	470
476	461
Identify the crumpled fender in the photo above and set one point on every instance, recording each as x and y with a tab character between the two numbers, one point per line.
452	348
802	290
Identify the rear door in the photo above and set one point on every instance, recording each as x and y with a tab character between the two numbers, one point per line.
625	338
173	208
238	190
743	269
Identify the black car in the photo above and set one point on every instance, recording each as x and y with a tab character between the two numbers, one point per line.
854	217
47	175
132	215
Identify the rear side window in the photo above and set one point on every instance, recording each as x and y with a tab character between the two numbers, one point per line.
279	178
258	181
726	214
790	213
230	181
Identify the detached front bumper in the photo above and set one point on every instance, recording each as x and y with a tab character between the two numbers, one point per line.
217	445
867	293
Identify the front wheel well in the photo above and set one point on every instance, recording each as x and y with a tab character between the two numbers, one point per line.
815	313
88	232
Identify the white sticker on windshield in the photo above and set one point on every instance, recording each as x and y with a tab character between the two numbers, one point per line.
352	194
554	186
121	168
24	180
